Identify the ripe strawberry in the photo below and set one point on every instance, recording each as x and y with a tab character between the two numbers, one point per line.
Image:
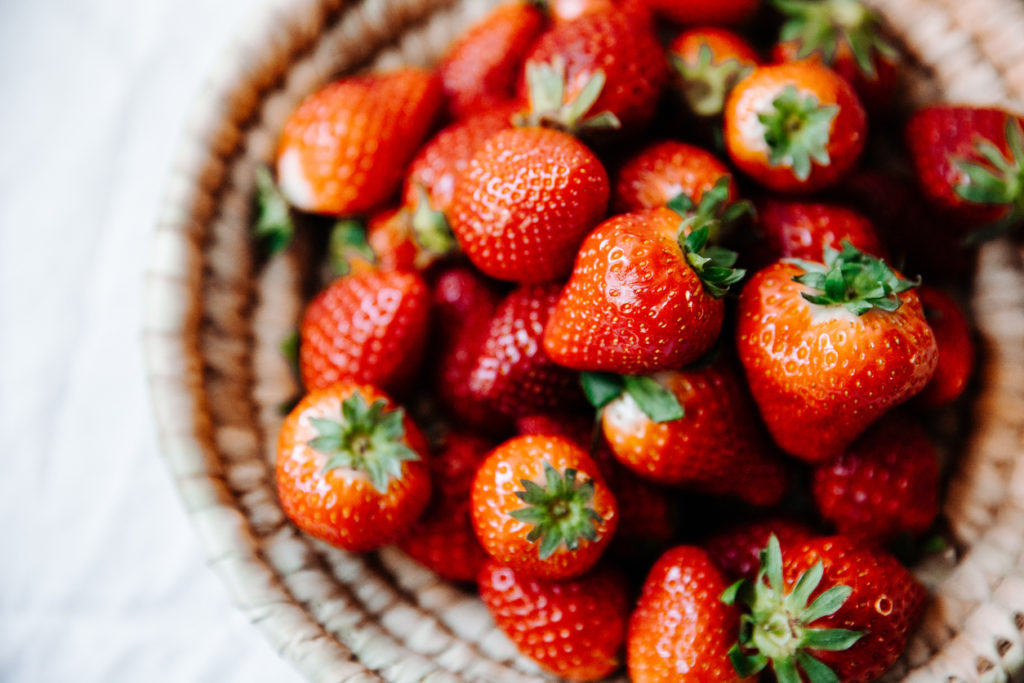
716	445
345	148
526	201
645	294
884	484
512	374
956	348
662	171
737	550
680	631
369	327
834	609
571	10
481	69
969	162
794	127
541	506
443	539
725	12
801	230
618	45
709	62
349	467
846	36
573	628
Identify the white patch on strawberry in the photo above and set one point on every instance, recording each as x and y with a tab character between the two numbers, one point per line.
624	416
292	180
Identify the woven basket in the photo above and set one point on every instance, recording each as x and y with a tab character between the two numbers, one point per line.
215	316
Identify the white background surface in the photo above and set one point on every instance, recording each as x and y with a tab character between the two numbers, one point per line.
101	577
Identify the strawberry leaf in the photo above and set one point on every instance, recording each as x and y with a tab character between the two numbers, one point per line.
559	511
997	180
706	84
797	130
657	402
348	242
850	278
601	388
817	672
274	226
546	90
430	229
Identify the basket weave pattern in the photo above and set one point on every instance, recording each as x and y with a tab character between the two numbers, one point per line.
215	316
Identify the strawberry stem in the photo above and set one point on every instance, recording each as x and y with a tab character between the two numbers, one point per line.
852	279
559	510
797	130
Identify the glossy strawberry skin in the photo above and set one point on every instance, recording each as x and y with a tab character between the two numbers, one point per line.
621	45
370	327
956	348
525	202
493	498
884	484
481	69
345	148
720	12
885	603
877	94
801	230
572	628
662	171
737	550
341	506
718	446
680	629
821	374
443	539
633	305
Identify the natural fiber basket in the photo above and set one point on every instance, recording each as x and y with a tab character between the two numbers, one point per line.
216	313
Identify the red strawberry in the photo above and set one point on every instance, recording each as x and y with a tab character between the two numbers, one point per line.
801	230
956	348
662	171
370	327
571	10
834	609
541	506
443	538
389	234
573	628
717	445
885	484
969	162
481	69
829	348
680	630
526	201
737	550
642	297
349	467
709	62
345	148
704	11
618	45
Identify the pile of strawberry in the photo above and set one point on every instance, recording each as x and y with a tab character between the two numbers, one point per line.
760	368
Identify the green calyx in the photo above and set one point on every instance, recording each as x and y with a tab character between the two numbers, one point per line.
797	130
364	438
705	85
704	224
546	90
850	278
560	510
430	229
999	180
657	403
819	26
347	243
274	226
778	627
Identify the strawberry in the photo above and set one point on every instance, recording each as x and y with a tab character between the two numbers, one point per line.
833	609
801	230
829	348
715	445
443	539
573	628
956	348
662	171
709	62
512	374
570	10
795	127
389	234
370	327
645	294
526	201
886	483
680	631
969	163
718	12
345	148
846	36
737	550
480	70
350	467
541	506
620	47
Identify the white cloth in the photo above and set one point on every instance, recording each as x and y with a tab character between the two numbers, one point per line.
101	576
